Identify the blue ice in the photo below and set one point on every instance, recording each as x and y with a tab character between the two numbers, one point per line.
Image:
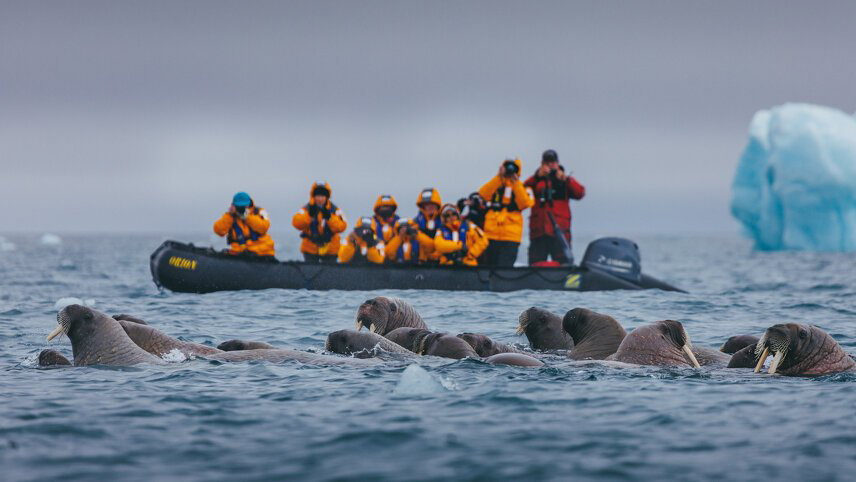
795	185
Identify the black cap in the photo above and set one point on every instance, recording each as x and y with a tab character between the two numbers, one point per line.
319	190
549	156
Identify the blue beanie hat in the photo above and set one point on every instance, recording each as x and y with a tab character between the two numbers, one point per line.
242	199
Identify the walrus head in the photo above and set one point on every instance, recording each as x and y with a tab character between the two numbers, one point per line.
543	329
70	319
663	343
482	344
374	314
737	343
594	335
801	350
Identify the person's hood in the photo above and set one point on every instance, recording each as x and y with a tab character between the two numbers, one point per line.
429	195
323	184
385	200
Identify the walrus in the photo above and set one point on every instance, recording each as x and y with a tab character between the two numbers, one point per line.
801	350
97	339
349	342
663	343
595	335
710	356
744	358
426	342
485	346
737	343
238	345
514	359
382	315
52	358
544	330
131	318
159	344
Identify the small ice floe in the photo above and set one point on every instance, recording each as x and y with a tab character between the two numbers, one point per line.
174	356
6	245
50	240
415	380
71	300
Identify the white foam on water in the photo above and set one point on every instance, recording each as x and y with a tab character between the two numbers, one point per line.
49	239
71	300
415	380
174	356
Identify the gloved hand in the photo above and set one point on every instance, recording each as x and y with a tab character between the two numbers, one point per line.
247	212
313	210
325	213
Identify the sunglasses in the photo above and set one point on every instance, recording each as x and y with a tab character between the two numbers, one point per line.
449	214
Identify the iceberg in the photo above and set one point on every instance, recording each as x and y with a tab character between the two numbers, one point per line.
795	184
415	380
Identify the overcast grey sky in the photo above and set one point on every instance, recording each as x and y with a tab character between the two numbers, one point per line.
148	116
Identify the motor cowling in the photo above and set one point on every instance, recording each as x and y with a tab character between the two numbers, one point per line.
617	256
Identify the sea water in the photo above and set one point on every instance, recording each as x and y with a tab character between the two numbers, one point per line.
435	419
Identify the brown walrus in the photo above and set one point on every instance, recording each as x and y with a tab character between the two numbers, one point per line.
238	345
802	350
52	358
349	342
663	343
744	358
544	330
97	339
595	335
485	346
159	344
514	359
426	342
382	315
737	343
710	356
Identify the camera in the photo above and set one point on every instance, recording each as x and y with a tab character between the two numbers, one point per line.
410	230
364	232
510	168
240	210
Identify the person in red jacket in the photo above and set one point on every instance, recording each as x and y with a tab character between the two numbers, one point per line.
553	190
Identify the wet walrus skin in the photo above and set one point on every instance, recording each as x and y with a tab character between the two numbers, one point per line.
426	342
737	343
544	330
744	358
485	346
52	358
710	357
98	339
663	343
514	359
596	336
381	315
238	345
802	350
349	342
159	344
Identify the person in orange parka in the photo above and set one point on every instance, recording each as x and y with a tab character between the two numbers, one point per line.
246	226
506	198
319	223
406	246
383	222
362	245
458	241
429	203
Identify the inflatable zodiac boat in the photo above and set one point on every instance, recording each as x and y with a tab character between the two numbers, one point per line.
608	264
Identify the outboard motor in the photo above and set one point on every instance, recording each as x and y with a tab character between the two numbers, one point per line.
616	256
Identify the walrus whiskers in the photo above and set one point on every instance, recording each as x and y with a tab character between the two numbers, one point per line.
522	323
61	328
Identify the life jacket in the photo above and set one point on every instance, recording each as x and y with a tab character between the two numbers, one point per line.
319	231
384	230
238	236
429	227
408	253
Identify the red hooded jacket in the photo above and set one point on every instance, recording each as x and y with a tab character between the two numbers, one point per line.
552	195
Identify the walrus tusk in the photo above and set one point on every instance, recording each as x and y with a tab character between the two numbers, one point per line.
777	359
691	355
358	325
761	360
372	328
56	332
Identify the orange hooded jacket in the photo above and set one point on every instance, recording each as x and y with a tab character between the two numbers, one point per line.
320	232
355	244
249	234
506	200
456	235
